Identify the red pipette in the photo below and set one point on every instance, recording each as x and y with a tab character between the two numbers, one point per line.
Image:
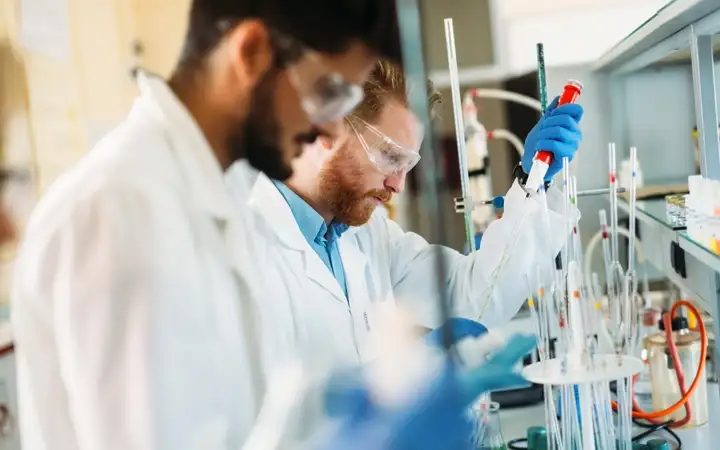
543	158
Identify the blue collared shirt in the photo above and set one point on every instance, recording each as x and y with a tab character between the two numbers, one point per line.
321	237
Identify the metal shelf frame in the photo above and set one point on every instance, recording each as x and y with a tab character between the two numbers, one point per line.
668	31
680	26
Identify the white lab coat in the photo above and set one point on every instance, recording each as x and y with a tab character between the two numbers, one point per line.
385	264
137	321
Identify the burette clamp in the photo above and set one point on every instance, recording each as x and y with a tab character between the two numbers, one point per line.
531	193
464	204
468	204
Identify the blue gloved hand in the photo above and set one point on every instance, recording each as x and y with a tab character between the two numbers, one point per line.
459	327
558	132
437	418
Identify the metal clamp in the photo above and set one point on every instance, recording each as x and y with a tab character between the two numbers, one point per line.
464	204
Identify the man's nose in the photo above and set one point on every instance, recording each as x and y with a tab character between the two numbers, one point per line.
395	182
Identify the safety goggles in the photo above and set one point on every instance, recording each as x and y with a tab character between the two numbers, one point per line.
385	153
325	95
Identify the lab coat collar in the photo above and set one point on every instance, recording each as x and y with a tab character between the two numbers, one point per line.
277	213
279	217
202	172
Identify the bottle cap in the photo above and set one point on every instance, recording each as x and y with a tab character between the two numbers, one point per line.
678	323
658	444
575	84
537	438
639	446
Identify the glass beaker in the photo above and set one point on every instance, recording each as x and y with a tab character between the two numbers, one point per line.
665	389
490	436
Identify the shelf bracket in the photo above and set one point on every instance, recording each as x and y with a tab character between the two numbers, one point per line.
703	72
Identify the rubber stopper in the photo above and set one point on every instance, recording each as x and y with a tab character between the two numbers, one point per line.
570	93
658	444
678	323
537	438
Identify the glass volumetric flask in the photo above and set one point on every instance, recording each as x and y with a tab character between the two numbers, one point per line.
491	437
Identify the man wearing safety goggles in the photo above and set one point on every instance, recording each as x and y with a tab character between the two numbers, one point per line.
344	259
139	319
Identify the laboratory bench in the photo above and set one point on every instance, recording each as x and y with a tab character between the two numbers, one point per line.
516	421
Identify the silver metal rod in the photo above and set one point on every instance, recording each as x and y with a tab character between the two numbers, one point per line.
459	201
459	130
620	190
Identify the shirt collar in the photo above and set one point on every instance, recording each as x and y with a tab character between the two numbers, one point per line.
312	225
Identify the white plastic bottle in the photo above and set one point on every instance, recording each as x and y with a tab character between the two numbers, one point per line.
477	154
625	174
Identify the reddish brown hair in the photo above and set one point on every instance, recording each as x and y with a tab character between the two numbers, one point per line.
387	82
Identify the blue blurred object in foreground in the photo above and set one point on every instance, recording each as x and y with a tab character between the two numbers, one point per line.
460	328
436	418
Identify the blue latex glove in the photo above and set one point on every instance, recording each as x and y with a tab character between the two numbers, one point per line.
435	419
558	132
460	329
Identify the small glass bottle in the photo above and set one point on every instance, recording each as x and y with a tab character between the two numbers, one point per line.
491	437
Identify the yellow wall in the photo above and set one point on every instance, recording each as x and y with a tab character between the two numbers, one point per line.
14	122
53	111
70	104
160	26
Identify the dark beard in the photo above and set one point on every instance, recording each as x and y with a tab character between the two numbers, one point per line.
257	137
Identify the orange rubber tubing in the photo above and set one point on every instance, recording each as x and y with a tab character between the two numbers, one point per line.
653	416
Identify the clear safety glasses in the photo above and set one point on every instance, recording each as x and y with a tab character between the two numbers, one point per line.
385	153
325	95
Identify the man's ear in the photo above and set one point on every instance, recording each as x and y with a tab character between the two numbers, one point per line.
250	50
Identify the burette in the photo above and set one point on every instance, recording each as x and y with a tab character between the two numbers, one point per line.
541	163
460	133
464	113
